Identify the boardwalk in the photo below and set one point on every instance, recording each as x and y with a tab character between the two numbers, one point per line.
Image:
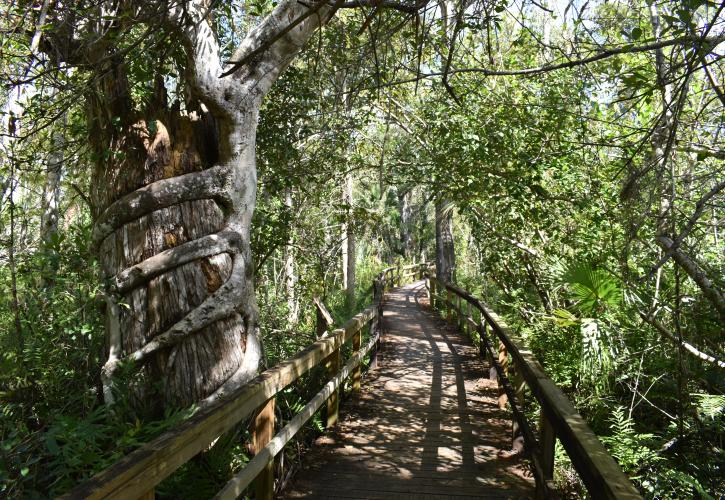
426	426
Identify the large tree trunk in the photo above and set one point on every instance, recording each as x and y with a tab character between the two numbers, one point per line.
179	252
445	250
175	202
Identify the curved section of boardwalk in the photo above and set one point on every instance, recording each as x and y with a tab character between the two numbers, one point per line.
426	425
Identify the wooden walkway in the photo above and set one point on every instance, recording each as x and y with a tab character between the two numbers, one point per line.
427	425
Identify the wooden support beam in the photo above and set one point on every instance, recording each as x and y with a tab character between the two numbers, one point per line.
262	433
547	446
332	366
149	495
503	361
324	318
357	371
376	330
469	319
460	315
449	305
517	441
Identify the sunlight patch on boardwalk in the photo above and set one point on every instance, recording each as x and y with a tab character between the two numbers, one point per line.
426	425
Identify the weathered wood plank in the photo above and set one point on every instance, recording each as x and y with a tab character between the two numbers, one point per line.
141	470
599	471
426	424
236	486
357	372
332	366
262	432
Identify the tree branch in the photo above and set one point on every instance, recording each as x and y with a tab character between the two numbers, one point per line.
242	57
697	275
688	347
384	4
699	208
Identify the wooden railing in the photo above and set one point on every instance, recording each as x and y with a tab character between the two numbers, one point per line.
599	472
137	474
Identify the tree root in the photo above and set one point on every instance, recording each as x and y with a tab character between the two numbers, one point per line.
207	184
206	246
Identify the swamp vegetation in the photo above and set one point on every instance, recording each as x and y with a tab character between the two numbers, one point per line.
180	180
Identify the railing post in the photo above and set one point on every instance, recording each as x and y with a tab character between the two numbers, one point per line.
262	433
332	366
449	305
503	361
469	318
459	314
149	495
433	285
517	440
547	446
379	332
357	371
399	276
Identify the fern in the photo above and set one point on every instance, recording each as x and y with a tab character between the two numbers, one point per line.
630	448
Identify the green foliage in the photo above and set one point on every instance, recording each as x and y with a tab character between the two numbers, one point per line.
554	168
593	289
638	455
632	450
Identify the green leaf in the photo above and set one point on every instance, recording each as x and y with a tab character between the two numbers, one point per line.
593	289
563	318
636	33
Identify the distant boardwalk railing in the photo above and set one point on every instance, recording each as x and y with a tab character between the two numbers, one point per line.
137	474
600	473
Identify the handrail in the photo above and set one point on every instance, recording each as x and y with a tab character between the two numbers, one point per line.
138	473
600	473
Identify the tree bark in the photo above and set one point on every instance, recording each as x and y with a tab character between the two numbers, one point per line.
348	244
708	288
185	313
51	188
445	250
406	215
290	274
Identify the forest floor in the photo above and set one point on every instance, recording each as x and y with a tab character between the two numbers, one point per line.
426	425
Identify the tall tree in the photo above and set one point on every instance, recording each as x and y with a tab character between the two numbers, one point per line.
348	242
174	187
445	248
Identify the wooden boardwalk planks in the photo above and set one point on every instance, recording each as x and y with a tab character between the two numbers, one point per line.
427	424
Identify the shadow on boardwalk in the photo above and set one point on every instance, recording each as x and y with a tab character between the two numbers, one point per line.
427	424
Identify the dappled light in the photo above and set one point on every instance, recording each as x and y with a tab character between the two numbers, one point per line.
426	424
362	248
